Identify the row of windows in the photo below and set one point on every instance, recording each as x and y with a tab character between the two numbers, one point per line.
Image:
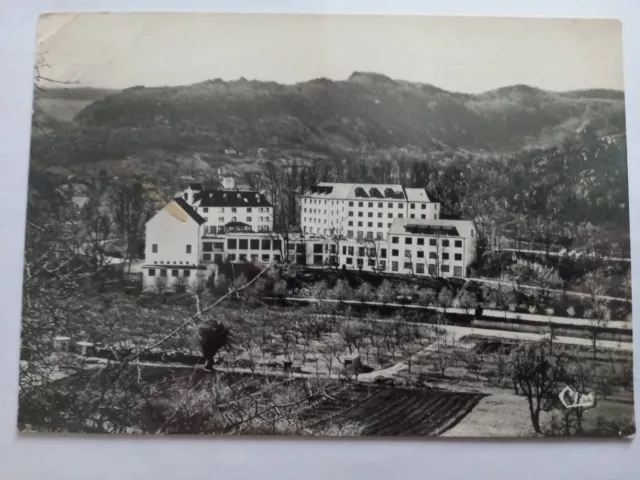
174	272
314	220
154	248
432	241
369	235
420	254
431	268
235	219
233	209
363	251
257	244
315	201
265	257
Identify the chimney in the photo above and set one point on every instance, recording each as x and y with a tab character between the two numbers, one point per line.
228	183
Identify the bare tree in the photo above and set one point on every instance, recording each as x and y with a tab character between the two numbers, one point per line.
538	374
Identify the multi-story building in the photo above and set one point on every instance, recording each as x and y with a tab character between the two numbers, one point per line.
382	228
172	249
229	207
441	248
362	211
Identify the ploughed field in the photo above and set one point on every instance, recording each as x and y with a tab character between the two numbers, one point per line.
384	411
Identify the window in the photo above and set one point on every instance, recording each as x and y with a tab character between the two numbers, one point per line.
349	261
413	206
400	215
154	248
248	209
207	247
243	257
369	224
432	242
359	204
390	205
360	262
152	272
317	248
457	256
390	215
379	236
370	215
351	204
361	252
380	204
205	210
248	219
254	257
188	248
174	273
370	205
369	234
408	266
424	206
266	244
379	224
432	269
351	214
206	257
458	243
186	273
232	244
420	241
433	255
423	217
445	256
408	240
379	214
394	266
351	250
412	216
218	245
420	254
399	205
457	271
234	210
435	217
360	214
243	244
277	244
445	268
221	219
349	233
360	236
419	267
445	243
350	223
394	253
206	219
255	244
163	272
359	224
265	257
395	239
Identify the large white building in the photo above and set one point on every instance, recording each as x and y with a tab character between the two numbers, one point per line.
362	211
230	207
172	249
382	228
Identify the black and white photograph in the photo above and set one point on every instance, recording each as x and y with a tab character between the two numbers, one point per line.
327	225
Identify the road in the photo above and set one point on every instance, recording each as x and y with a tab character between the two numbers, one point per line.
563	253
531	287
497	314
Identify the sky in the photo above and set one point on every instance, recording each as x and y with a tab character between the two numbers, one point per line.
465	54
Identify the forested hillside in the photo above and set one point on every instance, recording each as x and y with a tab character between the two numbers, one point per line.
531	160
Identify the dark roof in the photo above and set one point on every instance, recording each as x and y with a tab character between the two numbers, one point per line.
189	209
196	186
231	198
432	230
321	189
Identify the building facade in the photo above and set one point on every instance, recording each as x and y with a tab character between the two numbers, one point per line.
362	211
230	206
392	230
172	249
